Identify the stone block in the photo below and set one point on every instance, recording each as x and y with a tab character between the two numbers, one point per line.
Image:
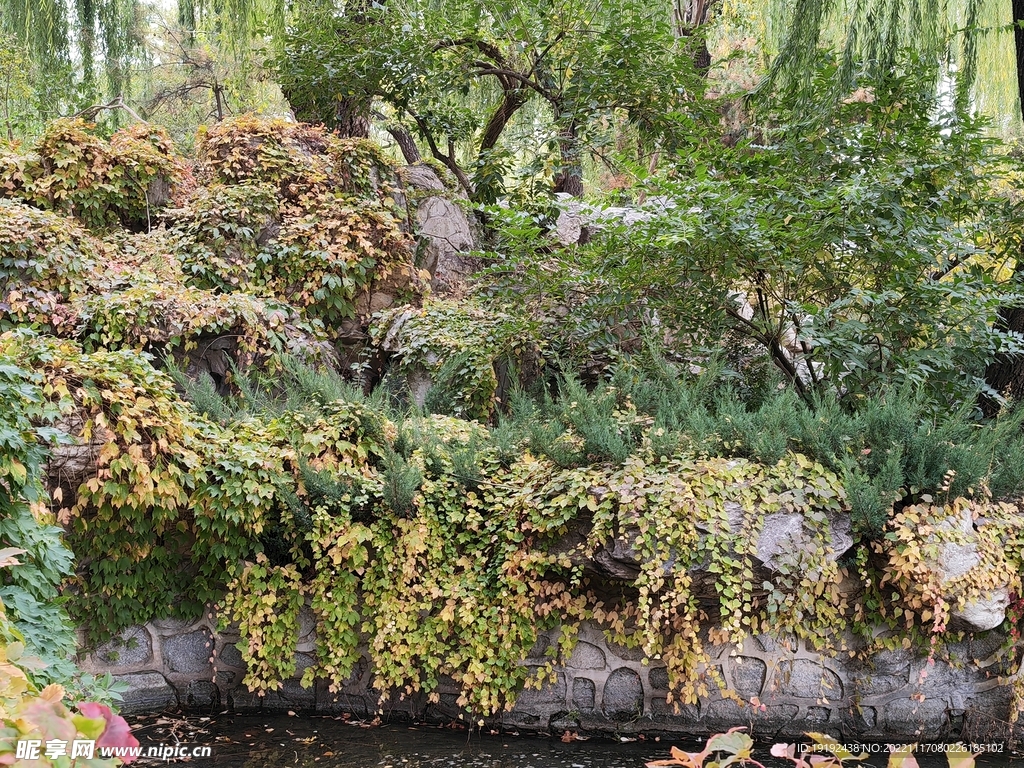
748	675
663	712
658	678
623	697
202	694
626	654
806	679
920	719
336	703
147	692
445	709
132	647
230	656
172	626
817	716
563	721
189	653
877	685
550	698
303	661
586	656
583	692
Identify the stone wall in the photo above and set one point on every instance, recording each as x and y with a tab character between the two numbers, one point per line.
609	689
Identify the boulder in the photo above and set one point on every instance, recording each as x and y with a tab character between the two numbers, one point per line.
444	234
958	554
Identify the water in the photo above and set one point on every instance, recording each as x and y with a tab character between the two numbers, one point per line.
247	741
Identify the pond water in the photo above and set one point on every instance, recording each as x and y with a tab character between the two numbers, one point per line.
241	741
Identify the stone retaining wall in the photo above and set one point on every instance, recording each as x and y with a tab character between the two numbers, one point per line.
608	689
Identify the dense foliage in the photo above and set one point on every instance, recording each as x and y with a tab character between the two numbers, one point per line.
799	319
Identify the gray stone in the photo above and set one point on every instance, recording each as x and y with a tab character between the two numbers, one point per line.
658	678
422	177
891	662
337	703
748	675
230	656
563	721
569	225
858	719
132	647
444	234
617	559
983	613
307	622
551	697
586	656
877	685
817	716
171	625
774	717
189	653
292	695
147	692
623	694
544	641
626	654
806	679
303	661
663	712
445	709
202	694
787	538
958	554
922	719
583	694
723	714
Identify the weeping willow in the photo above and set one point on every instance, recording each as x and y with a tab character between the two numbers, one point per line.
81	51
969	43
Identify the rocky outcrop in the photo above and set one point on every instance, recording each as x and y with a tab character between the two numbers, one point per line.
786	540
959	553
444	235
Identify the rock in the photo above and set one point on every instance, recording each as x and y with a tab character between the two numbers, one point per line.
550	698
583	691
189	653
806	679
230	656
422	177
958	554
132	647
443	231
569	225
623	694
983	613
922	719
147	692
748	676
658	678
586	656
785	534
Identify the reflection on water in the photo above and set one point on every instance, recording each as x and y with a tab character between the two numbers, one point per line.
325	742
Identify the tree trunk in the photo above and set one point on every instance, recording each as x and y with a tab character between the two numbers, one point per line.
1005	374
570	174
352	117
1018	44
406	143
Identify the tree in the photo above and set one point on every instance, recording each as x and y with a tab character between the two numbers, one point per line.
460	72
864	247
65	39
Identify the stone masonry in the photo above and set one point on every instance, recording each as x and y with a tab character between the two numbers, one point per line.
608	689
